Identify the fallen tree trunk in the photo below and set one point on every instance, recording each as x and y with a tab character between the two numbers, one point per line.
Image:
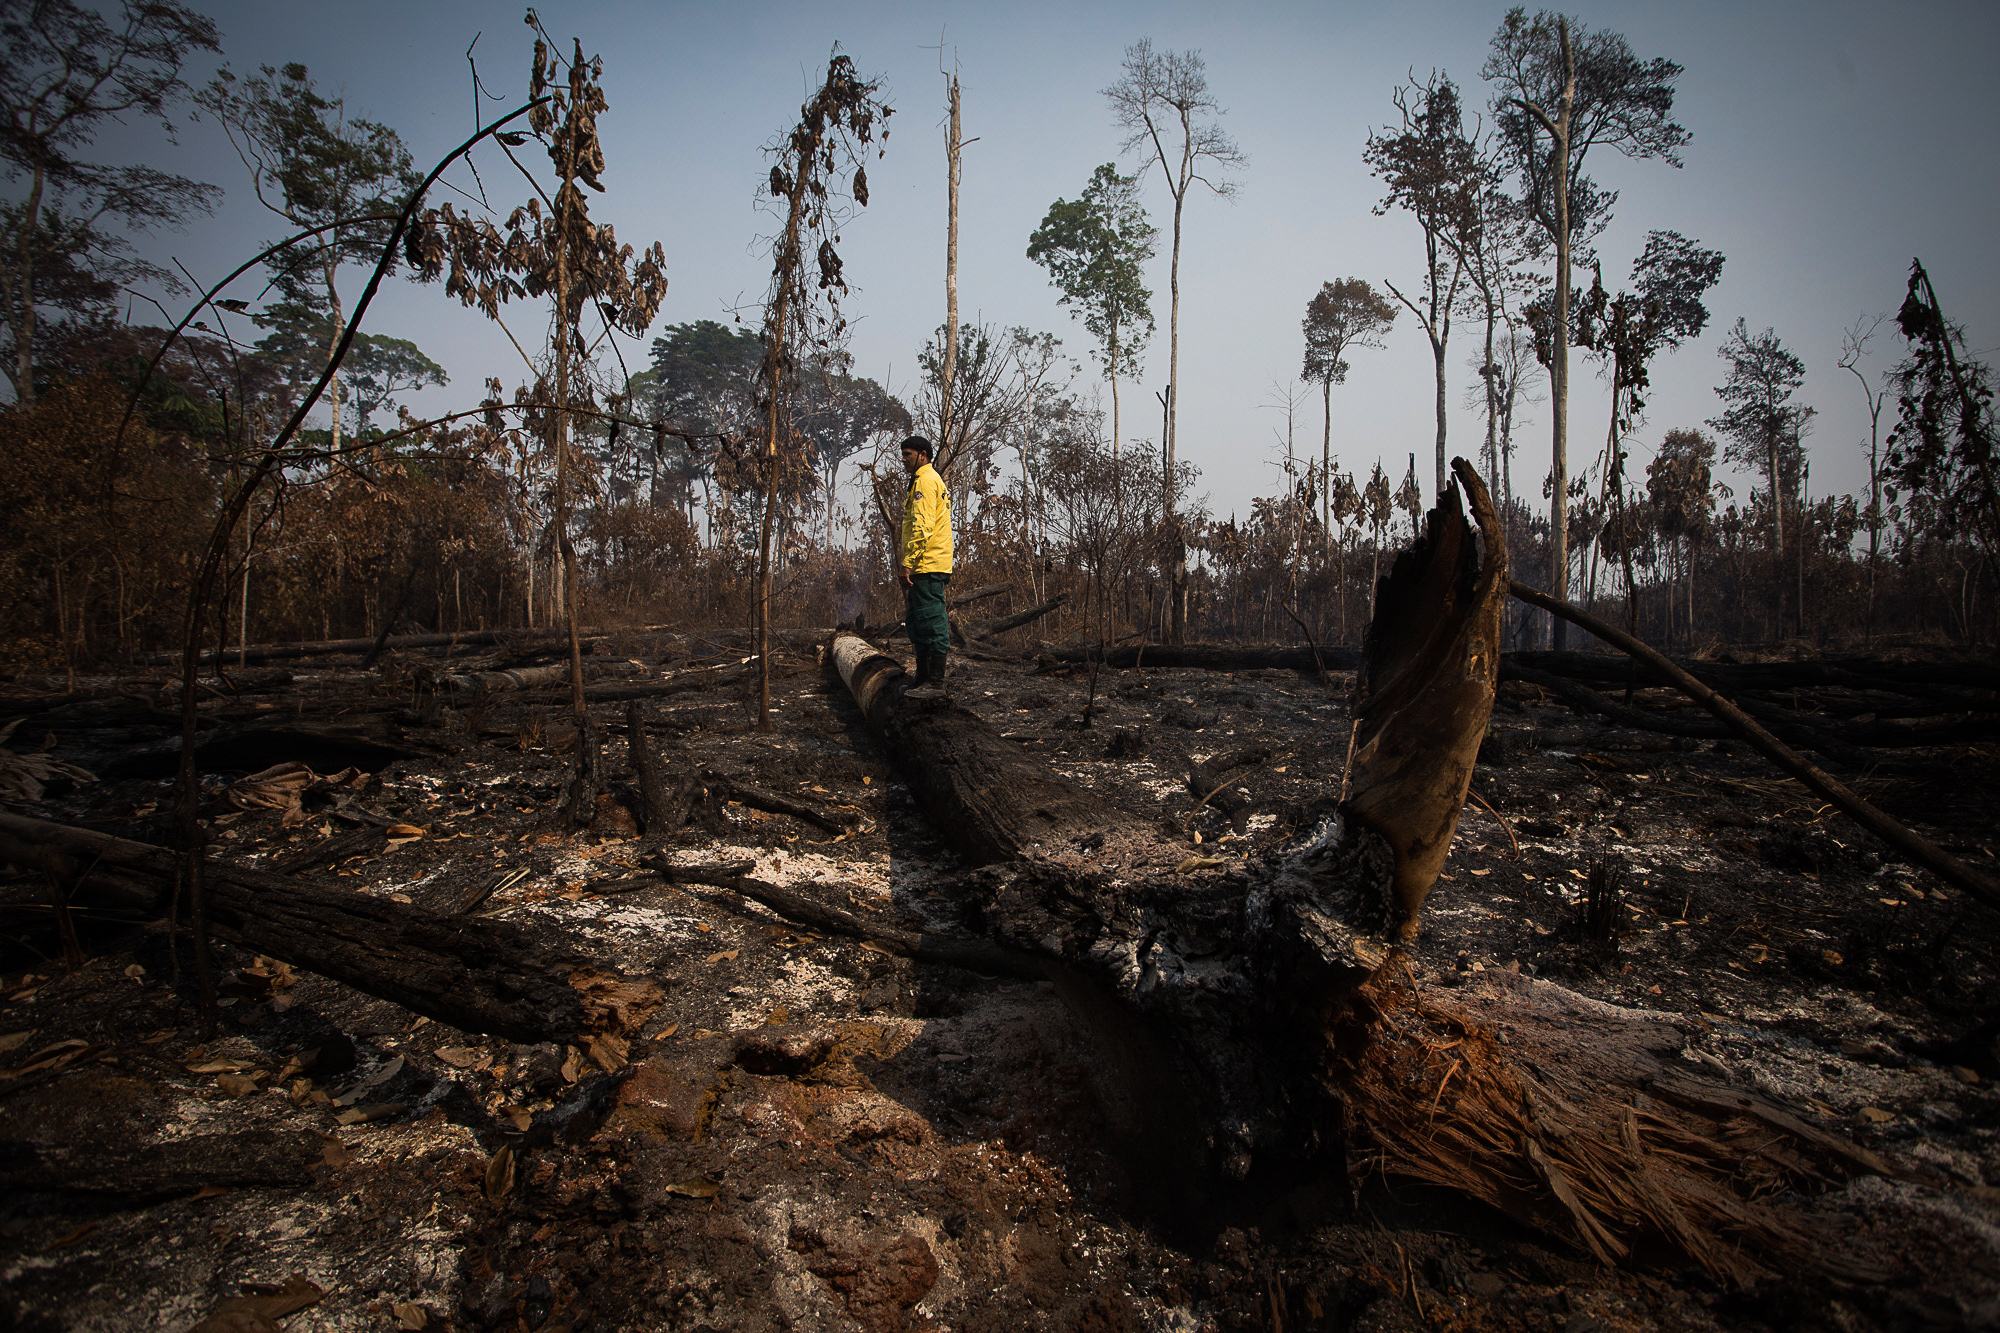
1211	656
1964	684
1910	843
279	652
1258	1021
1962	719
474	974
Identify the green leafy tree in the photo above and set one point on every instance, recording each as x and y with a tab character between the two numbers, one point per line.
1680	487
703	382
65	70
1095	248
837	415
1343	315
379	368
316	168
1763	428
1563	90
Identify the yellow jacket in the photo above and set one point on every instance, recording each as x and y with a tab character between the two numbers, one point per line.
927	524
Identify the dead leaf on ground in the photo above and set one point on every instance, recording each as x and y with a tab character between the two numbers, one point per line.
259	1312
369	1114
52	1057
572	1065
209	1192
235	1085
374	1080
410	1316
336	1153
11	1040
500	1173
281	787
64	1242
398	834
462	1057
726	956
609	1052
699	1188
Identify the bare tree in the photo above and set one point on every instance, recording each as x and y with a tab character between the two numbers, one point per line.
953	146
1163	104
1853	346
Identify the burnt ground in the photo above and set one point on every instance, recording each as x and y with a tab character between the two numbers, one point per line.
814	1134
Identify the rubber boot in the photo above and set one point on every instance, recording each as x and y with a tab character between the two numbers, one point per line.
929	683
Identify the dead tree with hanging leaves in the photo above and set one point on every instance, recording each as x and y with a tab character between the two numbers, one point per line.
550	247
836	126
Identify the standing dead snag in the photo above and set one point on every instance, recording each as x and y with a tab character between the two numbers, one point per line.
579	264
833	132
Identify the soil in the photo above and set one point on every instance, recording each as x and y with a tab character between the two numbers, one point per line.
811	1133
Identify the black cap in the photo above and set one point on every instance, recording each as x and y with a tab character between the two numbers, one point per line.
921	445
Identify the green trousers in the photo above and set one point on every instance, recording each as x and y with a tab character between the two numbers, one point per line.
924	616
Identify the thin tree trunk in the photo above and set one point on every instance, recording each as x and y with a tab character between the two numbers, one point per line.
22	315
951	149
333	347
1326	461
1559	370
786	269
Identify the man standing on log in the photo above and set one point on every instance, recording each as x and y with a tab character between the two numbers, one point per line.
926	565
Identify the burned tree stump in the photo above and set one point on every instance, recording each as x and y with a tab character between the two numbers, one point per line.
1260	1022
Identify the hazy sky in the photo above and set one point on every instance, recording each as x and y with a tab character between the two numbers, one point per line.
1831	142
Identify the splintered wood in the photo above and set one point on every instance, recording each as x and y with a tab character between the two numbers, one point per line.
1560	1112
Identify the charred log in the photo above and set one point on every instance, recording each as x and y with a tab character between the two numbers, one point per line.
1210	656
278	652
475	974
